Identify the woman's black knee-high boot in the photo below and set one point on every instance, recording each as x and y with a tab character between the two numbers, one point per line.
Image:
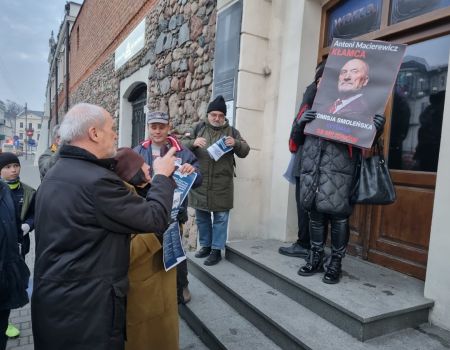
317	227
340	233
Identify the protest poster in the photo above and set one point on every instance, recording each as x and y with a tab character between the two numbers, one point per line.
173	252
218	149
356	83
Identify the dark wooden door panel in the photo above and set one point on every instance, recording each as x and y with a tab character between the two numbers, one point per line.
358	230
399	236
408	267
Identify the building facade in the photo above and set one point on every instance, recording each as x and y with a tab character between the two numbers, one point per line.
167	55
28	128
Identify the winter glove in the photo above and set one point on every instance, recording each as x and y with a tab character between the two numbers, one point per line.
378	121
25	228
307	117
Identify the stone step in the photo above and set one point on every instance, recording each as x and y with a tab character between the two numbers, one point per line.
286	322
217	324
368	302
188	339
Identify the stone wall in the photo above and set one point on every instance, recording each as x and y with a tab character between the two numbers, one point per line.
181	53
179	46
101	88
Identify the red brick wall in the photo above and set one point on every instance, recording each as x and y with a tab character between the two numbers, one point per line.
103	25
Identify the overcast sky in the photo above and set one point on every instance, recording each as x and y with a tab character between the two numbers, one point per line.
25	27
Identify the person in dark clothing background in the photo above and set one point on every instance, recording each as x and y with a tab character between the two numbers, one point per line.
14	273
50	155
429	135
23	198
400	116
301	247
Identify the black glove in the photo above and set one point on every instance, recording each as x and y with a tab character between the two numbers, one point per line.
378	121
307	117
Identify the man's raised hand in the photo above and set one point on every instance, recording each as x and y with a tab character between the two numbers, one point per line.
165	165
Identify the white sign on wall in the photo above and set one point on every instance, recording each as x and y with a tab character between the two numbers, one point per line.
230	112
130	46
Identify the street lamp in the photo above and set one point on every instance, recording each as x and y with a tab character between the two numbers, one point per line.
26	123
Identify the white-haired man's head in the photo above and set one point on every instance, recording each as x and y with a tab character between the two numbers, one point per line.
90	127
353	77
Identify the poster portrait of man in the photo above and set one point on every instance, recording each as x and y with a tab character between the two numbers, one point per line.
353	78
356	84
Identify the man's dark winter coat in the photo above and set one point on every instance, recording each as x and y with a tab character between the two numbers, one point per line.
216	192
84	217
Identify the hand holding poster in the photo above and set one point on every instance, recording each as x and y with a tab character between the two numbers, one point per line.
173	252
356	83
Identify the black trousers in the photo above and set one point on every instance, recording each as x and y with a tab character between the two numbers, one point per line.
340	232
4	316
303	219
182	271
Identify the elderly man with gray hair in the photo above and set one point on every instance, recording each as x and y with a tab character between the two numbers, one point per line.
51	154
84	218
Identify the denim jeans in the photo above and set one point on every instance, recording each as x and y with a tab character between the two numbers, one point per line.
212	233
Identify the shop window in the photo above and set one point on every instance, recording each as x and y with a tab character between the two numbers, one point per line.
405	9
352	18
418	106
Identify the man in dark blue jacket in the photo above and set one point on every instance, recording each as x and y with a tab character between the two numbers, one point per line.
158	143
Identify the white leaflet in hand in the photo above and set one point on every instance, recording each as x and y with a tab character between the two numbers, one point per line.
218	149
173	252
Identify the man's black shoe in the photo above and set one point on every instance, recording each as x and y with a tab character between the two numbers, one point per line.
295	250
213	258
203	252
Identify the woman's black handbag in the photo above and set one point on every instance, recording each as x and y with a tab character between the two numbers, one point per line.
374	185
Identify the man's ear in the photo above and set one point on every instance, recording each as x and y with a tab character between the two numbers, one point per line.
93	133
366	80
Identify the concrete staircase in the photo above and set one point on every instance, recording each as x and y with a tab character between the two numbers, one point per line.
255	300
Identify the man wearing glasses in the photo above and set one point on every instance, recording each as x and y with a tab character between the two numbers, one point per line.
213	200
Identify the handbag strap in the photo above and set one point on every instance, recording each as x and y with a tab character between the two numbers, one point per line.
379	148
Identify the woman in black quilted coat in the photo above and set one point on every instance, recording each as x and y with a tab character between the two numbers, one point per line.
328	172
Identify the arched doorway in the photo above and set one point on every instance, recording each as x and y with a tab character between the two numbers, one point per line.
138	99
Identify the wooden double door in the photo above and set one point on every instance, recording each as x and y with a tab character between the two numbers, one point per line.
397	235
